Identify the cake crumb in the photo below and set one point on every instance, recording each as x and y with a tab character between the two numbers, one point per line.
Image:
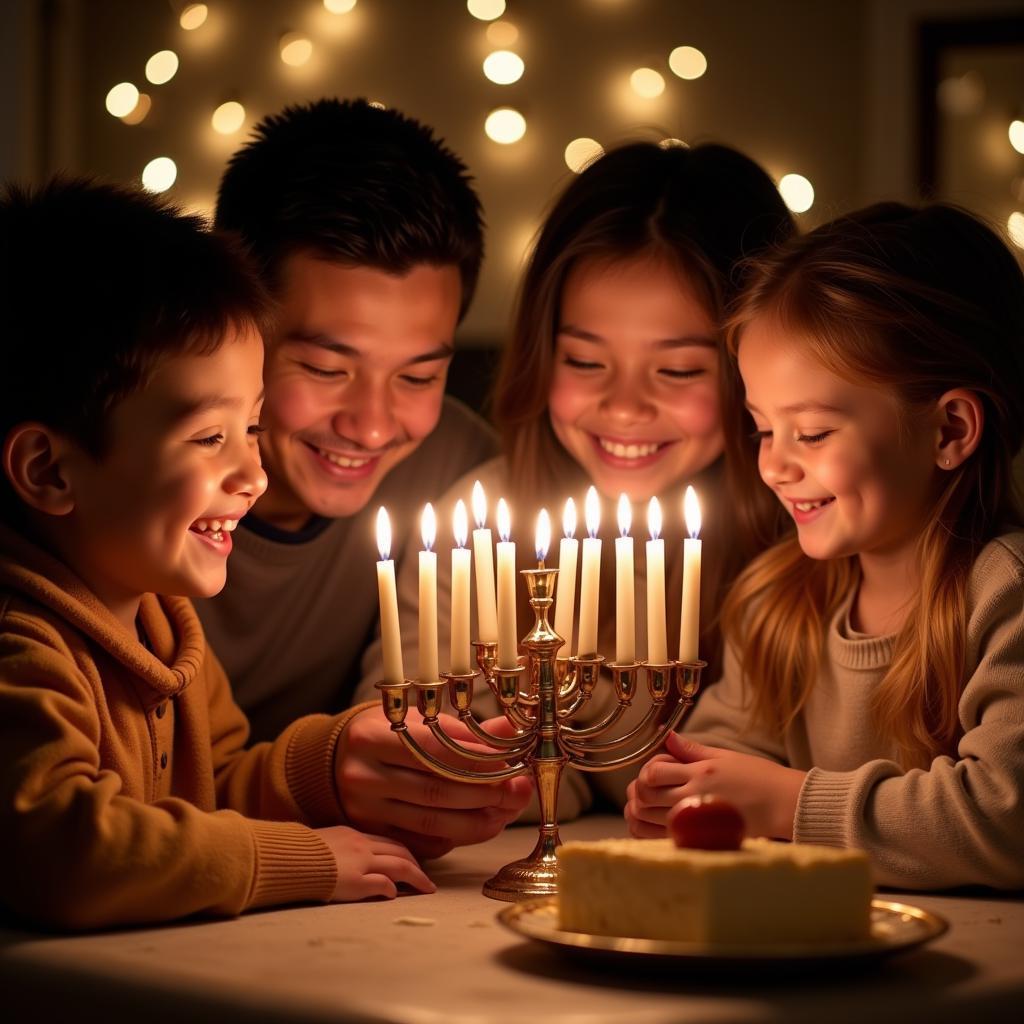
416	922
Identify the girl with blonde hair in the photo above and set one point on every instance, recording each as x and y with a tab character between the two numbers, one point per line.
873	693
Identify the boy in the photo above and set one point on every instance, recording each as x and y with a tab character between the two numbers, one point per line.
129	415
368	233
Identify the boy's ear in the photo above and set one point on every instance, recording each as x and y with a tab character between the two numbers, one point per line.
961	423
35	457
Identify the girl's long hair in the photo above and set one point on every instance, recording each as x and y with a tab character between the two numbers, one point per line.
918	301
704	210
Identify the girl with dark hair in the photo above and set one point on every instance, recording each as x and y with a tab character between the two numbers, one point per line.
873	693
614	375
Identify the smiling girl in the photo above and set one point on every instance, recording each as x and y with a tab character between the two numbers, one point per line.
874	689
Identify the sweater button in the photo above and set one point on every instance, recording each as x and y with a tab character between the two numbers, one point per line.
161	709
163	759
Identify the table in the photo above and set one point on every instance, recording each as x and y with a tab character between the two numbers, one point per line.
360	962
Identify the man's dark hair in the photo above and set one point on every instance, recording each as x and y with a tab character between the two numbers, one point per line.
356	184
99	283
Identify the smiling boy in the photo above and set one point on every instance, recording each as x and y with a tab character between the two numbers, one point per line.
369	235
130	454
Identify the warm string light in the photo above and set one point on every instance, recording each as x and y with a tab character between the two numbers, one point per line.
486	10
339	6
797	192
193	16
581	152
502	34
161	67
159	174
647	82
505	125
503	67
121	99
1015	228
1016	134
295	49
228	117
687	62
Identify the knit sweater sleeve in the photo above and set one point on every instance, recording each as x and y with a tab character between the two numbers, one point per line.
961	821
79	853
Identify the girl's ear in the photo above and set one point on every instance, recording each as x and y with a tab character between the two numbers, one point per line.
961	422
35	461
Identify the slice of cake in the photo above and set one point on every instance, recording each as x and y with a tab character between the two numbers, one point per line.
765	892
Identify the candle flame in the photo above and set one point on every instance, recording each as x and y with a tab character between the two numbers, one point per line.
460	523
543	535
691	512
383	533
654	518
569	519
504	520
428	526
592	511
479	505
625	514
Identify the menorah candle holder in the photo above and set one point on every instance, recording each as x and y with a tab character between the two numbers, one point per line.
540	697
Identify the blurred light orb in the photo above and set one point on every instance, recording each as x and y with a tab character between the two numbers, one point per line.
296	49
581	152
377	105
162	67
960	95
797	192
121	100
505	125
1016	134
193	16
1015	228
142	108
647	82
502	33
687	62
159	174
228	117
486	10
339	6
673	143
503	67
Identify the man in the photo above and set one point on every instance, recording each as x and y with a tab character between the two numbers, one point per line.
369	235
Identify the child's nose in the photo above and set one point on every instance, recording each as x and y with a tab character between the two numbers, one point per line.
627	402
248	478
777	465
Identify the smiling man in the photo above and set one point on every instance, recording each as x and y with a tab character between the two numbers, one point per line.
369	235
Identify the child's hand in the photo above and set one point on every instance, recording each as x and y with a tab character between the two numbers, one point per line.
764	792
371	865
385	790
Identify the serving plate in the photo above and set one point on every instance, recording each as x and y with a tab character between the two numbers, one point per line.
895	928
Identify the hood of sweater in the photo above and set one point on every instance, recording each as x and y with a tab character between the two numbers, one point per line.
170	623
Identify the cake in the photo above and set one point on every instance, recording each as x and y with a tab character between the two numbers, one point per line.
765	892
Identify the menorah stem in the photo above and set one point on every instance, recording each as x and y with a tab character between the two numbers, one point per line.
650	716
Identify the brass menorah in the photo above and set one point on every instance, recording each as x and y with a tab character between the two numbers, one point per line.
545	741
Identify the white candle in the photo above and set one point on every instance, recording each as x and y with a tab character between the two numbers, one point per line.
689	622
483	553
460	653
508	642
391	637
657	646
428	668
565	594
590	576
625	614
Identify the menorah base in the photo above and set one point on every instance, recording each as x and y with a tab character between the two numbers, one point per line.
536	875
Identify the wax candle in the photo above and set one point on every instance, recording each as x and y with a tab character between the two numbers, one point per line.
657	646
428	668
391	637
689	622
565	594
460	651
625	618
590	576
483	554
508	643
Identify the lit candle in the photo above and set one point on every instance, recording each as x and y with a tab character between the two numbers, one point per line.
590	575
565	595
542	536
508	644
625	626
391	637
657	647
689	623
483	553
461	555
428	670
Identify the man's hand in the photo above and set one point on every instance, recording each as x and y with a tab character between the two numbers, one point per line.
764	792
386	791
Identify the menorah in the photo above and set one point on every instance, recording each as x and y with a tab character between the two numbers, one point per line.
541	697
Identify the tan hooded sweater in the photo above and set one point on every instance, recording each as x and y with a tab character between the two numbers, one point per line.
126	791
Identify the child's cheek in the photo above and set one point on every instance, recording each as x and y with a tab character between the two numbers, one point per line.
698	412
